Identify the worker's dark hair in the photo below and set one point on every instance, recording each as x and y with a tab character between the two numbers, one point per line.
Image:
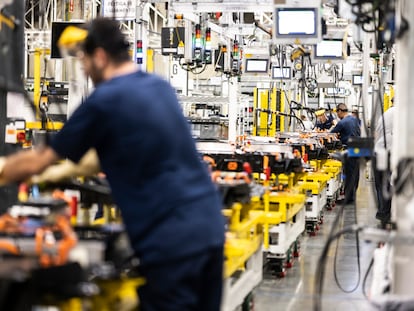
105	33
342	107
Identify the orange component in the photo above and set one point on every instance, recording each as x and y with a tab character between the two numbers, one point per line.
59	194
215	175
51	252
209	160
9	224
232	166
277	156
9	247
265	162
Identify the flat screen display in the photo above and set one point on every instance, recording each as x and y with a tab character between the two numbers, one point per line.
257	65
281	72
335	91
329	49
296	22
357	79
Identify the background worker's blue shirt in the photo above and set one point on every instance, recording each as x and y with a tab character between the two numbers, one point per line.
327	124
169	205
347	127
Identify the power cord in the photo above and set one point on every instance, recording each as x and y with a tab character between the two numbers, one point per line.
353	289
364	282
332	236
320	270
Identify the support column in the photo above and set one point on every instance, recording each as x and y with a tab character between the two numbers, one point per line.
141	35
11	70
403	147
367	44
233	107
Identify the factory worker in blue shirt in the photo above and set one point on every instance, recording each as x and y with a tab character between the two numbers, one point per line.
324	121
348	126
170	208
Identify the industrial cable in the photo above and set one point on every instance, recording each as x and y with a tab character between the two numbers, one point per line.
291	114
364	282
358	259
320	270
321	265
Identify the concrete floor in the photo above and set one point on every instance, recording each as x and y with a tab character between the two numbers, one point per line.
295	291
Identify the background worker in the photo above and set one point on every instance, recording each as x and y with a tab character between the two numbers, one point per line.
348	126
355	113
382	176
307	124
324	121
170	208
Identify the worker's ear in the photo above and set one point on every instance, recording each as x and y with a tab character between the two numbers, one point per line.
101	58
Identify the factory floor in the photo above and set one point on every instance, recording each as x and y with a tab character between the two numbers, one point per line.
295	291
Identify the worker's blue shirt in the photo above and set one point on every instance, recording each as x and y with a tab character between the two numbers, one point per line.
327	124
347	127
168	203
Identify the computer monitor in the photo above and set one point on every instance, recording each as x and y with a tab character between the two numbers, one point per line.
256	65
336	91
332	50
57	29
296	25
281	73
357	79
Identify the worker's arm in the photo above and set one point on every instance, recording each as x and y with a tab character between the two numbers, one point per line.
87	166
337	128
22	165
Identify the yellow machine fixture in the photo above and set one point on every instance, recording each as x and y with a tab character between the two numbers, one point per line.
266	105
388	97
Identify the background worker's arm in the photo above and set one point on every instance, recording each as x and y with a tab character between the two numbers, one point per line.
21	165
87	166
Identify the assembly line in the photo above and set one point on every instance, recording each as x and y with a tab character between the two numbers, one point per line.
178	155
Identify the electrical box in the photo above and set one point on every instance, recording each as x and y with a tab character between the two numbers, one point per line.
172	40
209	129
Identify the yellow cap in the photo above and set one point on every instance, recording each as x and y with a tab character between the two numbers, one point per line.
319	112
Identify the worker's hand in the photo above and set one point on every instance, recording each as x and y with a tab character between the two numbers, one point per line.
87	166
